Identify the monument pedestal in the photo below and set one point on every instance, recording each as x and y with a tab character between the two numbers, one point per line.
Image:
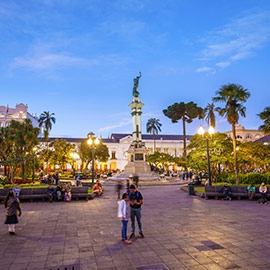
137	163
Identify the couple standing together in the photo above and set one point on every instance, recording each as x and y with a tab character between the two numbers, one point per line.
130	206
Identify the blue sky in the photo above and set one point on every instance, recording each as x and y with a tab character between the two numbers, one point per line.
78	59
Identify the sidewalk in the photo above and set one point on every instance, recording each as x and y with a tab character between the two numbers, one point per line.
181	232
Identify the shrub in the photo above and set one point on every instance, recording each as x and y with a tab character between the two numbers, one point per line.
245	179
3	180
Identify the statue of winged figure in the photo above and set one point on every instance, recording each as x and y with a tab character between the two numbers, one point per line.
136	84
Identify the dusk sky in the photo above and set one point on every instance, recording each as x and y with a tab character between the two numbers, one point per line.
78	59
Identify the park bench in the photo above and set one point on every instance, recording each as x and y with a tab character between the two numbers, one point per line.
238	192
41	194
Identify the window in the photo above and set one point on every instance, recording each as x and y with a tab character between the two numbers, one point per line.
113	155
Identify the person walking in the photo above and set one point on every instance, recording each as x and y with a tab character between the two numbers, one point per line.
136	201
118	188
123	214
12	206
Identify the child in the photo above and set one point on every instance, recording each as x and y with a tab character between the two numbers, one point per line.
12	205
123	214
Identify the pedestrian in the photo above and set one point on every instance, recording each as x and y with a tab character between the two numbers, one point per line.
13	208
127	184
136	201
118	188
136	180
123	214
78	180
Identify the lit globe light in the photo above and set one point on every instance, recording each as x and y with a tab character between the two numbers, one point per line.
201	131
211	130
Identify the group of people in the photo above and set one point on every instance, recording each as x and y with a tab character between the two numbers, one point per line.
60	193
251	189
129	207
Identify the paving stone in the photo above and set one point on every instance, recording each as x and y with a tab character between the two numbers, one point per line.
181	232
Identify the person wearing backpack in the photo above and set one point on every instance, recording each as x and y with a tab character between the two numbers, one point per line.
135	201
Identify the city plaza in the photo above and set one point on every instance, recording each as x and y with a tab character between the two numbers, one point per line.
181	232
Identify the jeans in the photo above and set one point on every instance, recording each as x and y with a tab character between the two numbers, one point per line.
263	197
124	229
135	212
227	194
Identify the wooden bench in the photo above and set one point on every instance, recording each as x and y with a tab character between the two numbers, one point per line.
3	193
41	194
238	192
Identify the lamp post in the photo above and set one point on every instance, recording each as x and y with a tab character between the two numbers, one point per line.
93	142
201	132
34	161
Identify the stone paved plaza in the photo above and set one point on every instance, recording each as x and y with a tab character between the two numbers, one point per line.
181	232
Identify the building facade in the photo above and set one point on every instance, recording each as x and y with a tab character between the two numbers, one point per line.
119	143
246	135
19	113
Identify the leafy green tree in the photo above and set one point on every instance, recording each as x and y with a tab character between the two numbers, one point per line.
265	116
186	112
234	96
220	150
160	160
253	156
101	153
62	152
17	142
46	120
209	114
153	126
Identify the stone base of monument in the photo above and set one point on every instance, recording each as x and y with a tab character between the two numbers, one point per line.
142	169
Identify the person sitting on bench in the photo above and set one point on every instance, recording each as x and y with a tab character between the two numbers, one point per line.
226	191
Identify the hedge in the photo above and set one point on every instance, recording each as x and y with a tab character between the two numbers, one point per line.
245	179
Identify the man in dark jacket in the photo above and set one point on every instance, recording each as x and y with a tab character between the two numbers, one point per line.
136	201
226	191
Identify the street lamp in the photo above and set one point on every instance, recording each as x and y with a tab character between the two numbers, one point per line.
201	132
93	142
34	161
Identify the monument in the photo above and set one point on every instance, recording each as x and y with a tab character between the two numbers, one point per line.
137	152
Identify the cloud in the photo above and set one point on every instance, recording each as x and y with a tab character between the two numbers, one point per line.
125	122
237	40
46	61
223	64
204	69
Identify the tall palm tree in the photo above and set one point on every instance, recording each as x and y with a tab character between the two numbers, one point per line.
46	120
209	113
265	116
153	126
233	95
186	112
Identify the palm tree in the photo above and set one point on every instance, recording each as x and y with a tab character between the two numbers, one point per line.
186	112
233	95
153	126
265	116
209	113
45	121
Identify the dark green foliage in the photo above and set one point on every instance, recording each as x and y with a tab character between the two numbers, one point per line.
245	179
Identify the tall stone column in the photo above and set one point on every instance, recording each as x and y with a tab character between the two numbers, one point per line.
137	152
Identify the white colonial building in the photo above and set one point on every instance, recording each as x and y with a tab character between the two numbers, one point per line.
19	113
119	143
